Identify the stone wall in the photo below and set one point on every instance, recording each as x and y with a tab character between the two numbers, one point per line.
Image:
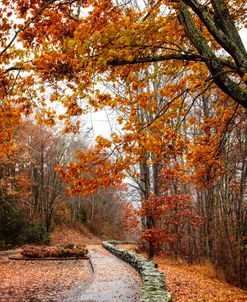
153	289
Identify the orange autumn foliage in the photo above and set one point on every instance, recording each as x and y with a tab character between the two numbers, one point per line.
169	66
91	171
9	121
172	211
62	46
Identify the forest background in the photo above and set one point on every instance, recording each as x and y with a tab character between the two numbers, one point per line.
174	74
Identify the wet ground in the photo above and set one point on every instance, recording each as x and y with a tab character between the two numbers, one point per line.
40	280
113	280
108	279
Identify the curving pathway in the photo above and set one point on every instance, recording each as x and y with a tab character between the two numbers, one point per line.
113	280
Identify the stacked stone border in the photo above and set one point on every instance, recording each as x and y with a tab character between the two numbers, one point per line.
153	282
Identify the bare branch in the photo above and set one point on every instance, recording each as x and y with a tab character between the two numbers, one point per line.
13	68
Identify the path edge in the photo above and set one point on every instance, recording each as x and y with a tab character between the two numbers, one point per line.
153	281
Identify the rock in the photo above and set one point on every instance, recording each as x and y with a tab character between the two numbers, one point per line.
153	281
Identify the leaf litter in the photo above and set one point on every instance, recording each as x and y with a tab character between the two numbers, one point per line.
44	281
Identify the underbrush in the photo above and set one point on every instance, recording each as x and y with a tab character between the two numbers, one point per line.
16	230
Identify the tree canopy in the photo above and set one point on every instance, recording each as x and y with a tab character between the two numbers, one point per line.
73	41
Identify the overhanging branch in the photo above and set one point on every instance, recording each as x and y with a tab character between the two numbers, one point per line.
180	57
13	68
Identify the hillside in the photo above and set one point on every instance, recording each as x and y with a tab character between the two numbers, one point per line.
64	234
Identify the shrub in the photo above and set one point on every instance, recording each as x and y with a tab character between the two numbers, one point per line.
35	233
39	252
14	229
12	225
54	251
83	216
